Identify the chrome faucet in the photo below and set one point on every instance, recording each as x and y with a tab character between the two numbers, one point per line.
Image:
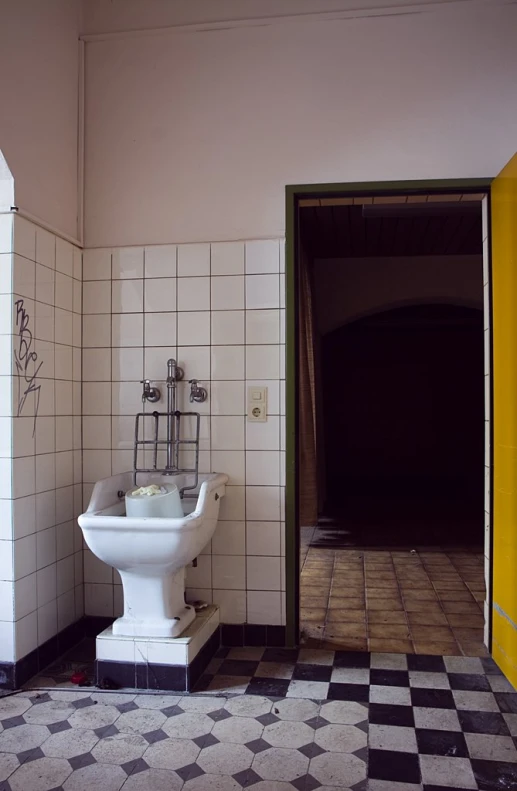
197	393
151	394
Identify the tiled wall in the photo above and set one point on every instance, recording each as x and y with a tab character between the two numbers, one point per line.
40	436
219	310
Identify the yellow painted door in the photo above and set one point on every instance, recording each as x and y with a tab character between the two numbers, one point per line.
504	367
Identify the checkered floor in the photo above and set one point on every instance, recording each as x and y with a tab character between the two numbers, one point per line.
272	720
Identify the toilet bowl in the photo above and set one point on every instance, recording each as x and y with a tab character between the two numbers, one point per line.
151	553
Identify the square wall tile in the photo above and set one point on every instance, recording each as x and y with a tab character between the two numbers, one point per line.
6	233
24	277
126	398
155	367
24	239
262	256
194	328
233	506
263	362
194	293
232	605
227	433
262	291
227	327
193	260
263	436
263	538
227	258
98	599
262	326
228	362
195	361
232	463
26	635
201	574
45	439
97	398
96	296
24	472
64	257
229	572
23	516
63	326
227	292
262	467
96	331
96	465
47	621
160	295
127	364
46	584
97	264
64	291
229	538
127	263
96	365
227	398
45	284
160	329
6	561
97	432
263	503
127	296
25	556
265	607
263	573
25	596
127	329
160	261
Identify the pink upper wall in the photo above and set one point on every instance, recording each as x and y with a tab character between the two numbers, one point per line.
192	136
38	106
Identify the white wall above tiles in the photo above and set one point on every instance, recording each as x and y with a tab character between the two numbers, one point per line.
40	400
218	309
403	116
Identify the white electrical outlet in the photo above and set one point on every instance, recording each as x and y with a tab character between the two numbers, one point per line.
257	404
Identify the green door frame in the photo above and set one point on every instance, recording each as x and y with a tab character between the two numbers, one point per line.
292	194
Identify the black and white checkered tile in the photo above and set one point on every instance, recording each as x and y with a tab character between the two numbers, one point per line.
385	722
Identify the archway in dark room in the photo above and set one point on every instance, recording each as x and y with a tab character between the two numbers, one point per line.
403	412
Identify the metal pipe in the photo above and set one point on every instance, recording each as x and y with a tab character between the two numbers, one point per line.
171	408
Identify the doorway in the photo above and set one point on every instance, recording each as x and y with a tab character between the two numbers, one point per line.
395	545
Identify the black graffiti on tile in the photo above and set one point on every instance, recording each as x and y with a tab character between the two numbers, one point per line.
23	357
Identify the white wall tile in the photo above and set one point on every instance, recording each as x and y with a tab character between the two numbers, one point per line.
262	291
23	516
65	540
194	328
64	257
232	605
127	262
97	264
195	361
160	261
193	260
262	256
25	556
227	258
65	505
65	574
6	600
96	465
263	538
97	432
229	538
98	599
233	504
228	362
24	240
24	277
45	248
262	467
78	263
64	291
47	621
63	325
6	233
6	438
25	595
96	365
127	329
6	520
201	574
23	476
193	293
155	367
66	609
262	326
96	296
96	398
26	635
227	398
232	463
263	436
77	302
264	607
6	560
64	469
63	361
262	362
97	331
160	296
127	364
126	398
160	329
7	648
45	284
45	509
127	296
263	503
227	327
227	292
263	573
229	572
227	432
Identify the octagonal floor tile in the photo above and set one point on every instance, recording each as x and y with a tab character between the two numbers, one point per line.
344	712
49	713
69	743
171	754
102	776
188	725
225	759
249	706
237	730
120	749
340	738
280	764
22	738
94	716
288	734
42	774
338	769
140	721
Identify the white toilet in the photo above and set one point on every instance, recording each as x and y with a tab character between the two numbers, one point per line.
151	553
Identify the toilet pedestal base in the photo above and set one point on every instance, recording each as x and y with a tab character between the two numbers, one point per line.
159	662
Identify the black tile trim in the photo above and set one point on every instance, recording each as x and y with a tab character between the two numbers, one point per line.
14	674
173	678
251	634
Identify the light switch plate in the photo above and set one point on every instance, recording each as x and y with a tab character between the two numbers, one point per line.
257	404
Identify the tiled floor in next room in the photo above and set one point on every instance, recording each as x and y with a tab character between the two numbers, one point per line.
272	720
420	601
